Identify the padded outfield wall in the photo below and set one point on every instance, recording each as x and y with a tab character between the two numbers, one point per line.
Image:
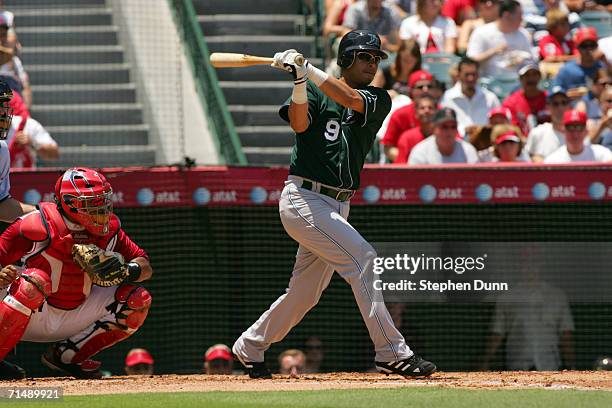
221	256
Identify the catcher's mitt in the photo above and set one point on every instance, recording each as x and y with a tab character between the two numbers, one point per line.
105	268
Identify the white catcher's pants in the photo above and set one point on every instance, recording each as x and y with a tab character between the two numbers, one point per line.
327	243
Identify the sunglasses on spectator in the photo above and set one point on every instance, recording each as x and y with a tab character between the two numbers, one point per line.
574	128
588	46
559	103
423	86
369	58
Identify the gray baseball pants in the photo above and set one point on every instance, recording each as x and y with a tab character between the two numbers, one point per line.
328	243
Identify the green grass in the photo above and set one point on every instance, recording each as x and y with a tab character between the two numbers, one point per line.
386	398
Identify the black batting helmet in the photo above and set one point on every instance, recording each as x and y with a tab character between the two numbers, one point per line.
6	112
358	40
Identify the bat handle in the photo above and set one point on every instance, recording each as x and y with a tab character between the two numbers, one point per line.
299	60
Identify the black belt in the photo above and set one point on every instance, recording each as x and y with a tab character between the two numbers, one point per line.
335	193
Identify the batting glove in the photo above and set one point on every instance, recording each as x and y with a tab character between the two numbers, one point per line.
286	61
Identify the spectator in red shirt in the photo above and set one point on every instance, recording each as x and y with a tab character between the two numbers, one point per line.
529	101
555	47
425	110
459	10
420	83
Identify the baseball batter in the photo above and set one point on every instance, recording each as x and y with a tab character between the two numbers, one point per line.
335	122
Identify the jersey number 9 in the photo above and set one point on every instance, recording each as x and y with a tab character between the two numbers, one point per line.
332	130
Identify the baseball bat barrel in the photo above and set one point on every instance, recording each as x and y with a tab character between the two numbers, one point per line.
235	60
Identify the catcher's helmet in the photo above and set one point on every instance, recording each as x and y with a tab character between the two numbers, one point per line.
84	196
358	40
6	112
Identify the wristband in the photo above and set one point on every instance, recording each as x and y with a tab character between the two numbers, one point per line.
316	75
134	271
299	96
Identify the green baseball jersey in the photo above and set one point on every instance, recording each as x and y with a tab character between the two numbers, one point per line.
333	148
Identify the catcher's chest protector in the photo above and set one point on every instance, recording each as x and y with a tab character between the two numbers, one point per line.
70	285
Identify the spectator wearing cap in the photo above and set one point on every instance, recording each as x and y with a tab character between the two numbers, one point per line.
502	45
555	47
507	143
488	12
13	72
292	362
218	359
8	18
139	362
444	147
500	116
470	101
577	76
601	130
420	83
375	16
575	150
548	137
527	102
425	110
433	31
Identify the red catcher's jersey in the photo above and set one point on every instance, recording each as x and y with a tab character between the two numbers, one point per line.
43	240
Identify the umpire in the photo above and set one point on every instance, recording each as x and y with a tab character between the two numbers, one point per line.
335	123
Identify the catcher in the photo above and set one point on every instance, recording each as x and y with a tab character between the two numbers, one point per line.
79	287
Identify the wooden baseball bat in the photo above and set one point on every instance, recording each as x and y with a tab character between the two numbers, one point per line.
235	60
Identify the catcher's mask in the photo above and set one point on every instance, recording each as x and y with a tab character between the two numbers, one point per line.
6	112
85	196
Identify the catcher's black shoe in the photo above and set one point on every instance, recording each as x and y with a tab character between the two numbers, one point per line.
255	370
414	366
88	369
10	371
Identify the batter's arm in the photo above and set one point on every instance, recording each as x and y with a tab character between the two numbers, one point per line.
343	94
298	117
334	88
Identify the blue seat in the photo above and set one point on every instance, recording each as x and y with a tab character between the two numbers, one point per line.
600	20
501	86
439	65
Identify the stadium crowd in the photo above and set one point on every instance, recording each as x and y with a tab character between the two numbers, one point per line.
520	80
27	139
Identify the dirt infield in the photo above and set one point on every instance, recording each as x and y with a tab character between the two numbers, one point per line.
584	380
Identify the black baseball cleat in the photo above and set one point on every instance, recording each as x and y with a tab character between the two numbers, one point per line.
10	371
88	369
255	370
413	366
